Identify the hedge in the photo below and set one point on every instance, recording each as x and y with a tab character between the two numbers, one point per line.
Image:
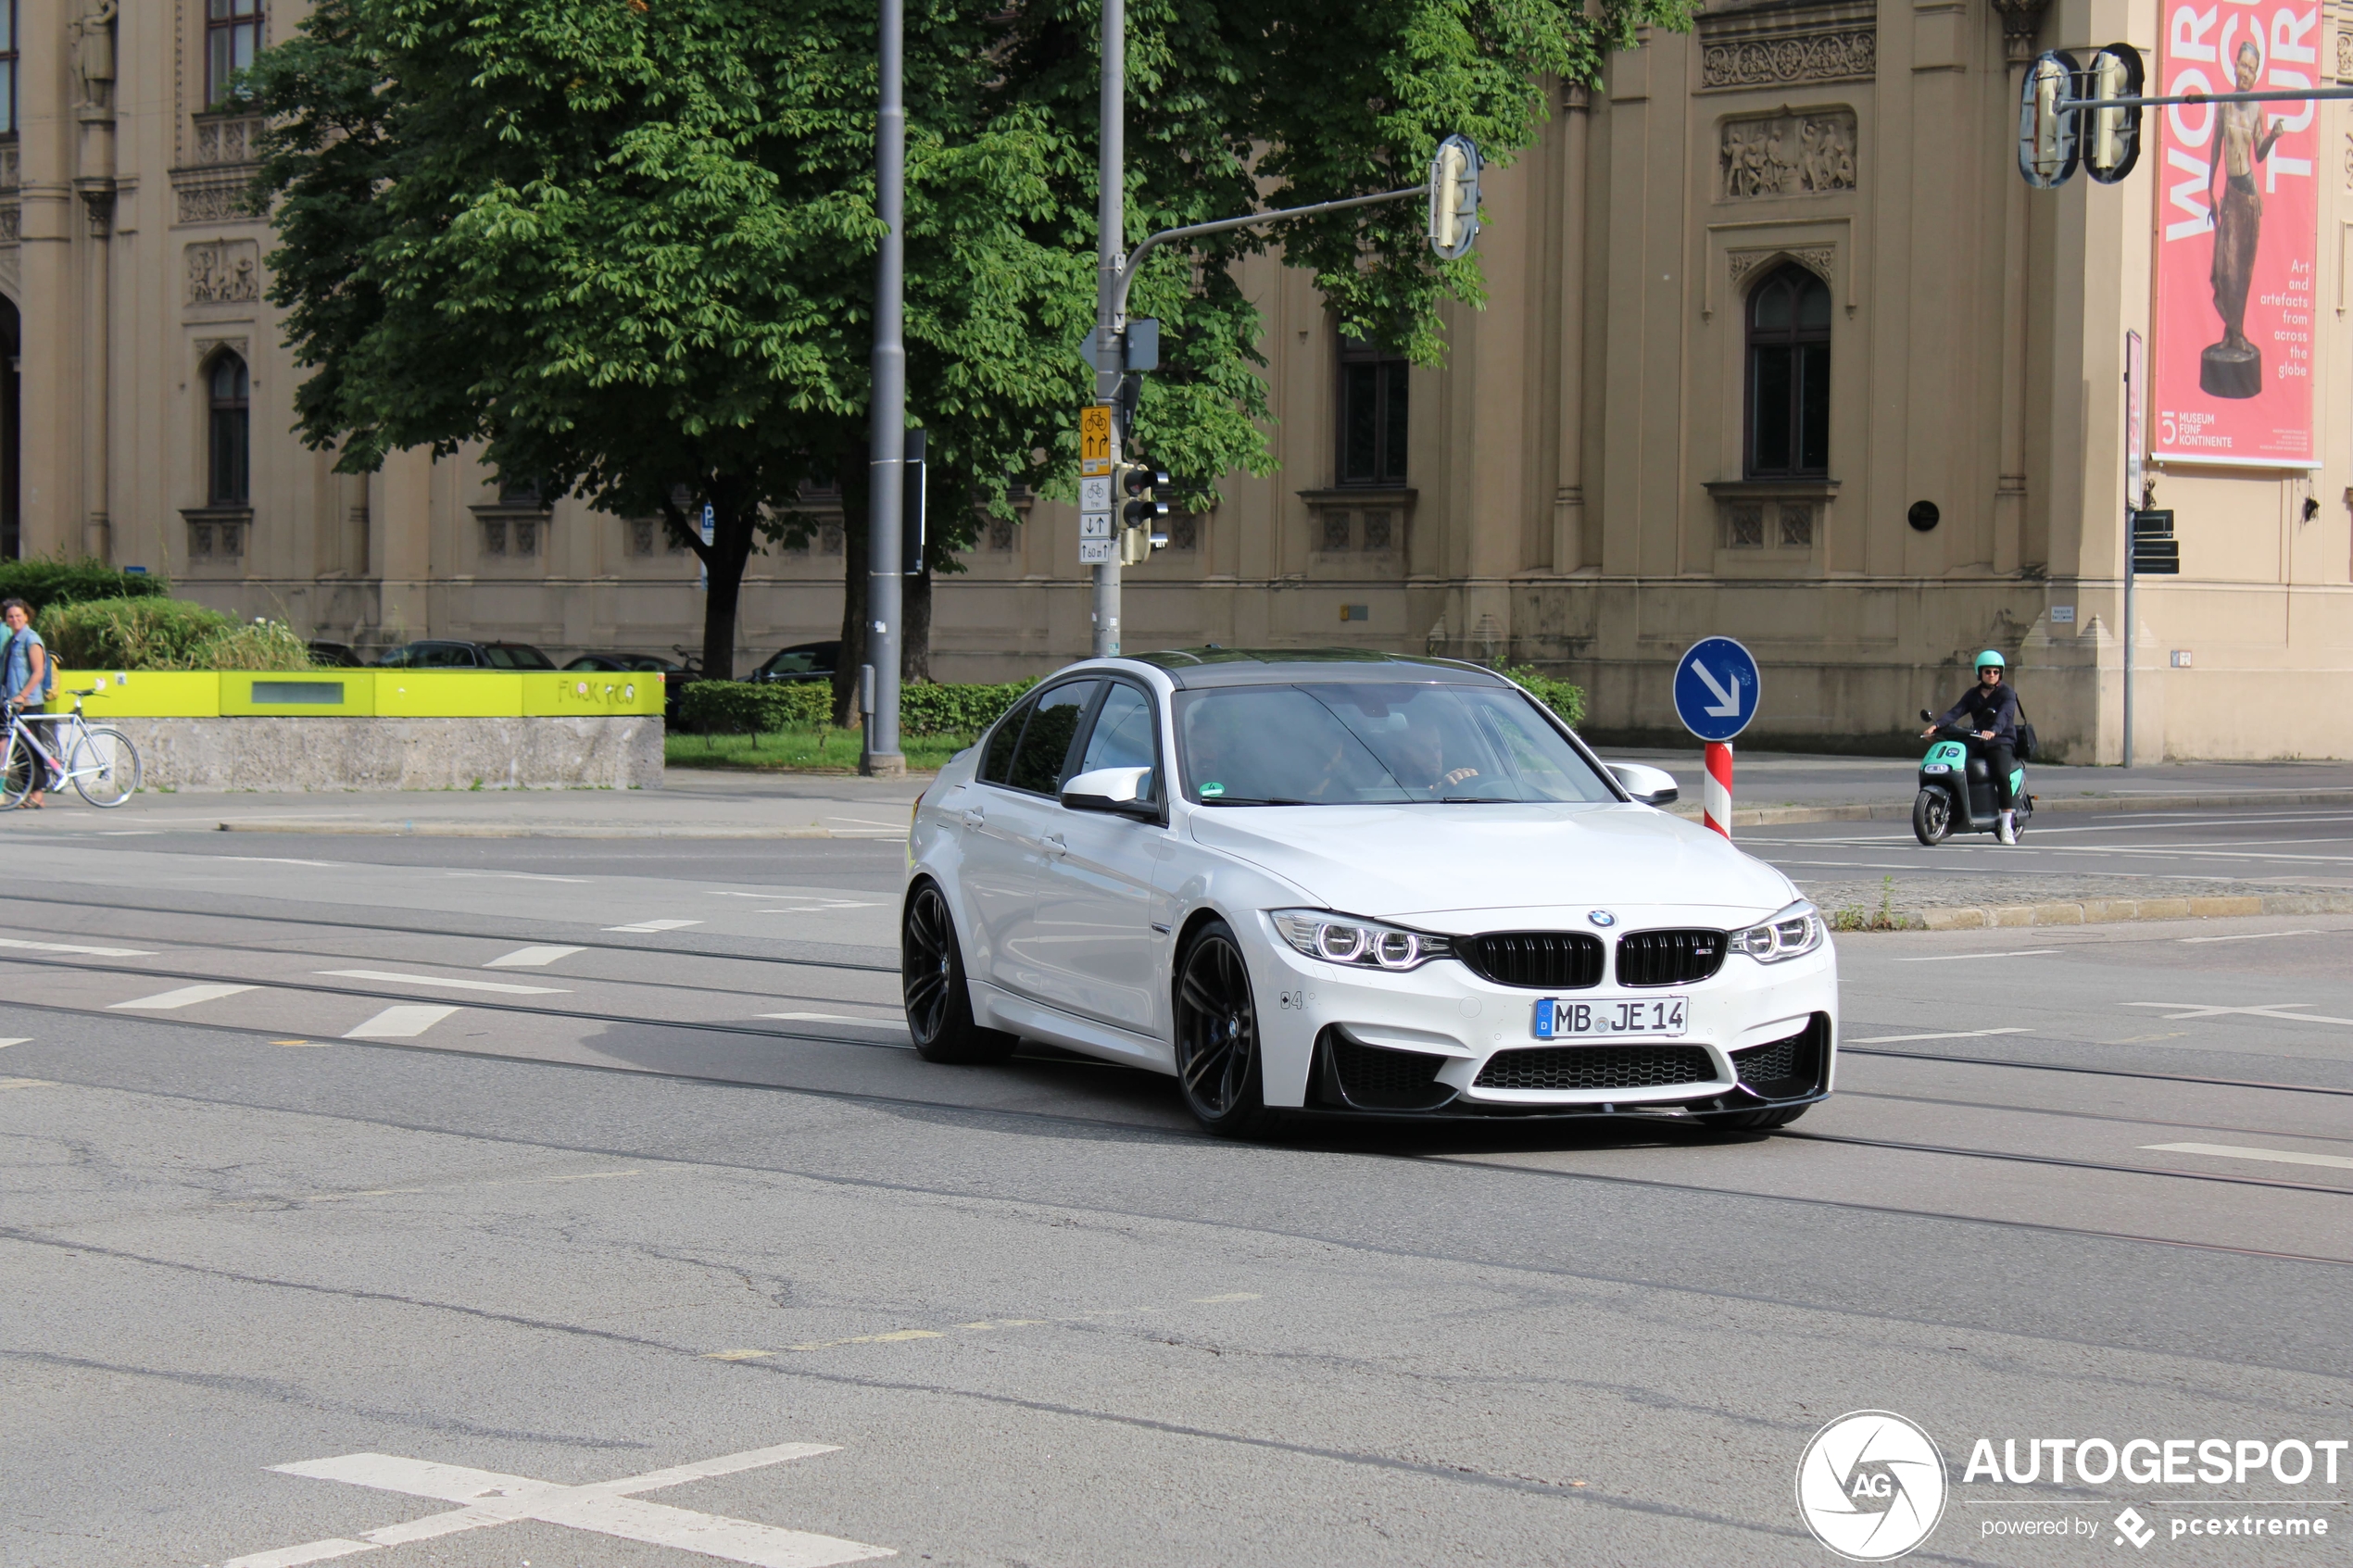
42	583
160	634
1561	696
758	708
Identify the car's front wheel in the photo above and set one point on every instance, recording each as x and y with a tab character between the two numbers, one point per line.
940	1005
1218	1058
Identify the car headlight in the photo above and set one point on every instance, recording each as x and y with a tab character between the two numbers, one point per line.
1349	939
1791	932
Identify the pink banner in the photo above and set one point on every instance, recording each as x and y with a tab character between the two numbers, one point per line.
2238	231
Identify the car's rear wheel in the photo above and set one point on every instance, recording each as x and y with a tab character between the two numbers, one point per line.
940	1005
1931	817
1751	1121
1218	1058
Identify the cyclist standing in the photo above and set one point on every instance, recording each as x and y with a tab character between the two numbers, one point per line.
1990	708
24	675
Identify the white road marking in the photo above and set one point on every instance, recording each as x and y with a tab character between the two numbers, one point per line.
2277	1155
15	1040
608	1508
404	1023
2274	1010
836	1018
531	957
1947	958
187	996
816	909
2249	936
1956	1034
275	860
395	977
26	1083
70	948
516	876
655	925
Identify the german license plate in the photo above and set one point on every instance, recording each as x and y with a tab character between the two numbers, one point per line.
1558	1019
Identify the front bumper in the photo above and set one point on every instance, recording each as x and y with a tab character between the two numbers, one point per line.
1441	1041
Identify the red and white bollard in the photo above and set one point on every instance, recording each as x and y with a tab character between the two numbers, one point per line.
1716	790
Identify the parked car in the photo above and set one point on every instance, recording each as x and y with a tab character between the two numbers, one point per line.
1332	882
436	654
336	656
675	675
802	661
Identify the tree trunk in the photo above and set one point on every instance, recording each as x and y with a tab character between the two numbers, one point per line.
733	524
856	489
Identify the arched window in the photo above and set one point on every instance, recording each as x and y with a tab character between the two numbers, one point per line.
227	449
1788	375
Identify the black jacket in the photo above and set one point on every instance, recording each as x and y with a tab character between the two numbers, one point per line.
1995	711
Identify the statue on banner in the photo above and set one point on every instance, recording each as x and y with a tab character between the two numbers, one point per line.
2233	368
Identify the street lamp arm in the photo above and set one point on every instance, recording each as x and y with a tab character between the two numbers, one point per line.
1136	257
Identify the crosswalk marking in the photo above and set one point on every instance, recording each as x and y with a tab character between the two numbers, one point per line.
185	997
395	977
405	1022
72	948
531	958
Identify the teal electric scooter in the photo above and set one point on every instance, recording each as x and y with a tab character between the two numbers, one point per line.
1957	790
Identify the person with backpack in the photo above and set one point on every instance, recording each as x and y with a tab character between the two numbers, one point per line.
25	676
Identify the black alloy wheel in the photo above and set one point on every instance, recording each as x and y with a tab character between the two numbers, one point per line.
1931	817
939	1006
1217	1060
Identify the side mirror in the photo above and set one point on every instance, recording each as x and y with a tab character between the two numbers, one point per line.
1122	792
1652	787
1925	717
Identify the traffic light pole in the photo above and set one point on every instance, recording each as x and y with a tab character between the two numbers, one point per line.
886	451
1111	290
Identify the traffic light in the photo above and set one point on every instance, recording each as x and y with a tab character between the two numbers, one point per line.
1453	198
1141	490
2114	145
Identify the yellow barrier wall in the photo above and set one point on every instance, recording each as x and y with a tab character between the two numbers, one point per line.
299	694
391	694
141	694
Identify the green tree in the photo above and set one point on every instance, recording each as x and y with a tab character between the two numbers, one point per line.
628	245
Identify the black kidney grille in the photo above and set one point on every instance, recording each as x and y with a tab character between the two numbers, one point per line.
1597	1067
1551	960
1668	958
1781	1068
1379	1079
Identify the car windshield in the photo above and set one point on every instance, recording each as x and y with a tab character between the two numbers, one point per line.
1345	744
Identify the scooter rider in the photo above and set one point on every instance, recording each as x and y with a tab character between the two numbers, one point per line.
1990	708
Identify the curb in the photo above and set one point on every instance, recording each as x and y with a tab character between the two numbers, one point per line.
1777	816
2095	912
501	830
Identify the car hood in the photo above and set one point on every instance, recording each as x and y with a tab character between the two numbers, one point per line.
1405	863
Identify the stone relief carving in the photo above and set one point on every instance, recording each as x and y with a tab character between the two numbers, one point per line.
1816	259
1845	55
224	272
2345	57
221	139
210	196
1787	155
94	53
2348	160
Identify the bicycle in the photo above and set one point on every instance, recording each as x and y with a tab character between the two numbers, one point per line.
101	763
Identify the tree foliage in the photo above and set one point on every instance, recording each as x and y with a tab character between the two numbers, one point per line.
627	246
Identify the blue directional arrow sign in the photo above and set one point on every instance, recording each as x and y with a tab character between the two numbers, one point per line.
1716	688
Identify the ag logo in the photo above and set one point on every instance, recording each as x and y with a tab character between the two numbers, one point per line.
1871	1486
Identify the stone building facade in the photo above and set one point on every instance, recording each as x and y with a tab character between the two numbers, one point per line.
1779	346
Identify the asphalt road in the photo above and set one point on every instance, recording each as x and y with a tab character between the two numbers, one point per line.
554	1174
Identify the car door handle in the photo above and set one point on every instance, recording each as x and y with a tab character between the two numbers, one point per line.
1054	844
975	819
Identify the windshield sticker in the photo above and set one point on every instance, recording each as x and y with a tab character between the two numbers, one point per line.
1211	791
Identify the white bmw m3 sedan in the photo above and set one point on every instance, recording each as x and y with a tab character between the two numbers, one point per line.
1310	882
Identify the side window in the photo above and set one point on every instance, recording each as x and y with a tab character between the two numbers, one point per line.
1038	764
996	763
1123	733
